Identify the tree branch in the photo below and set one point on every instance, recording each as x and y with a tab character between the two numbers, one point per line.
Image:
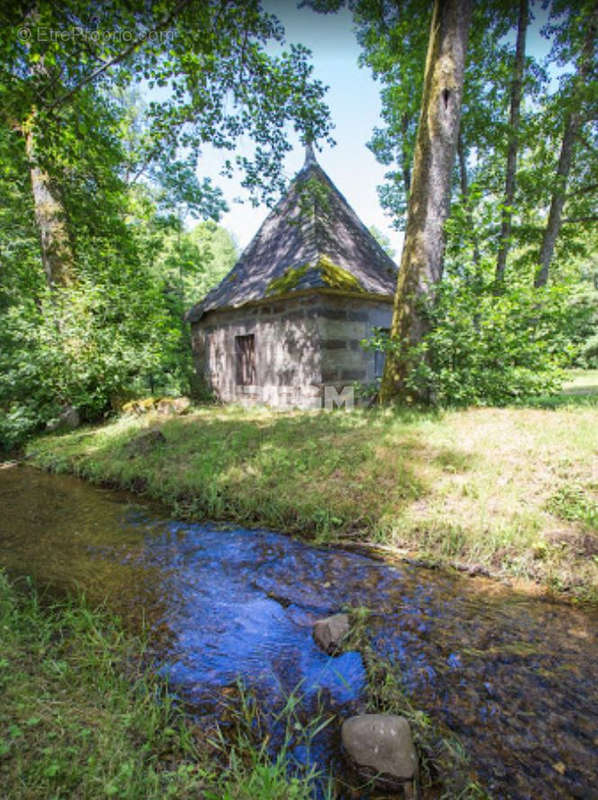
583	190
119	57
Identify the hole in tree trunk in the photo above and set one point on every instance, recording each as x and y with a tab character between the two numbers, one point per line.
445	97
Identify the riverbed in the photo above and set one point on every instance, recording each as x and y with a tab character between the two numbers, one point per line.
516	678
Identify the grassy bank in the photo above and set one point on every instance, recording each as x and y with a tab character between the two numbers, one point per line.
82	717
513	491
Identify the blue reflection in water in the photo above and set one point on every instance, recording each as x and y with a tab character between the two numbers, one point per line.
514	677
237	608
243	603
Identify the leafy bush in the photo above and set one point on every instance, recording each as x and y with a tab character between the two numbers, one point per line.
589	353
483	349
83	347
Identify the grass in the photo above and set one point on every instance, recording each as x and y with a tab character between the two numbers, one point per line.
82	716
580	389
480	488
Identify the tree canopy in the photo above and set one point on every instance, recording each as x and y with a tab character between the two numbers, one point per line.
104	111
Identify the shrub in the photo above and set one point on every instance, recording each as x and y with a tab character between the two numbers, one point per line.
82	347
589	353
483	349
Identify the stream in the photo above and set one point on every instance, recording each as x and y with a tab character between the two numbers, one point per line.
516	678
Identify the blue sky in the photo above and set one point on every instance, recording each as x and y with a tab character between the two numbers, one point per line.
353	99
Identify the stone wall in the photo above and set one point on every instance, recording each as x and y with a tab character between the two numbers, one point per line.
343	323
301	345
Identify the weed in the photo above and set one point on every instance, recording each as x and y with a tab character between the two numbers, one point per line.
83	716
575	504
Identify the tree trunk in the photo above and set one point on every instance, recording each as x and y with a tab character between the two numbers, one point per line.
573	123
510	180
50	217
429	198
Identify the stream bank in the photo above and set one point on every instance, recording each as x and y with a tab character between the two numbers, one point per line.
511	492
513	678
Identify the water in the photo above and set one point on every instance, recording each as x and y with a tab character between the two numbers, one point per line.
515	678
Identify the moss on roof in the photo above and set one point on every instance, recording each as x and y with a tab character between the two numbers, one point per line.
326	274
336	277
312	239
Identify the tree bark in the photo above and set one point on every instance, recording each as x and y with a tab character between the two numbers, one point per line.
50	217
514	116
429	198
573	123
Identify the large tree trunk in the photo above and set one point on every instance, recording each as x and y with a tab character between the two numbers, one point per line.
429	198
50	217
510	179
573	123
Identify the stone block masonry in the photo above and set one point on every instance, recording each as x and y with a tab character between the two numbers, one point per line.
299	345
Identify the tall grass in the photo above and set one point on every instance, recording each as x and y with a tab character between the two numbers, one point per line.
82	715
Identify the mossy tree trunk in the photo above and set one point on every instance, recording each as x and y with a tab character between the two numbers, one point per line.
50	217
429	198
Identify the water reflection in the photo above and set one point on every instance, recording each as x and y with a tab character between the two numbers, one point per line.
515	678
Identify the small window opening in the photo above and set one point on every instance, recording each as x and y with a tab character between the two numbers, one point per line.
245	359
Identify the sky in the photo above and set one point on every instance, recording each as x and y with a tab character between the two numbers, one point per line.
353	99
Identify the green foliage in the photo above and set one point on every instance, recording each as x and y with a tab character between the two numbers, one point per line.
394	40
211	62
117	333
480	349
589	352
383	241
215	254
122	177
82	715
84	347
574	503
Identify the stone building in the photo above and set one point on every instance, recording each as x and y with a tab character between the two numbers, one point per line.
287	321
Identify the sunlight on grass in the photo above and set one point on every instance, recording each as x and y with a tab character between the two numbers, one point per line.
473	486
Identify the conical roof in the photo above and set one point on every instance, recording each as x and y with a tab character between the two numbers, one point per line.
312	239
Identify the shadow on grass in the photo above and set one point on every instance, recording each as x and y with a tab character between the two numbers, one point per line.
315	474
580	397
